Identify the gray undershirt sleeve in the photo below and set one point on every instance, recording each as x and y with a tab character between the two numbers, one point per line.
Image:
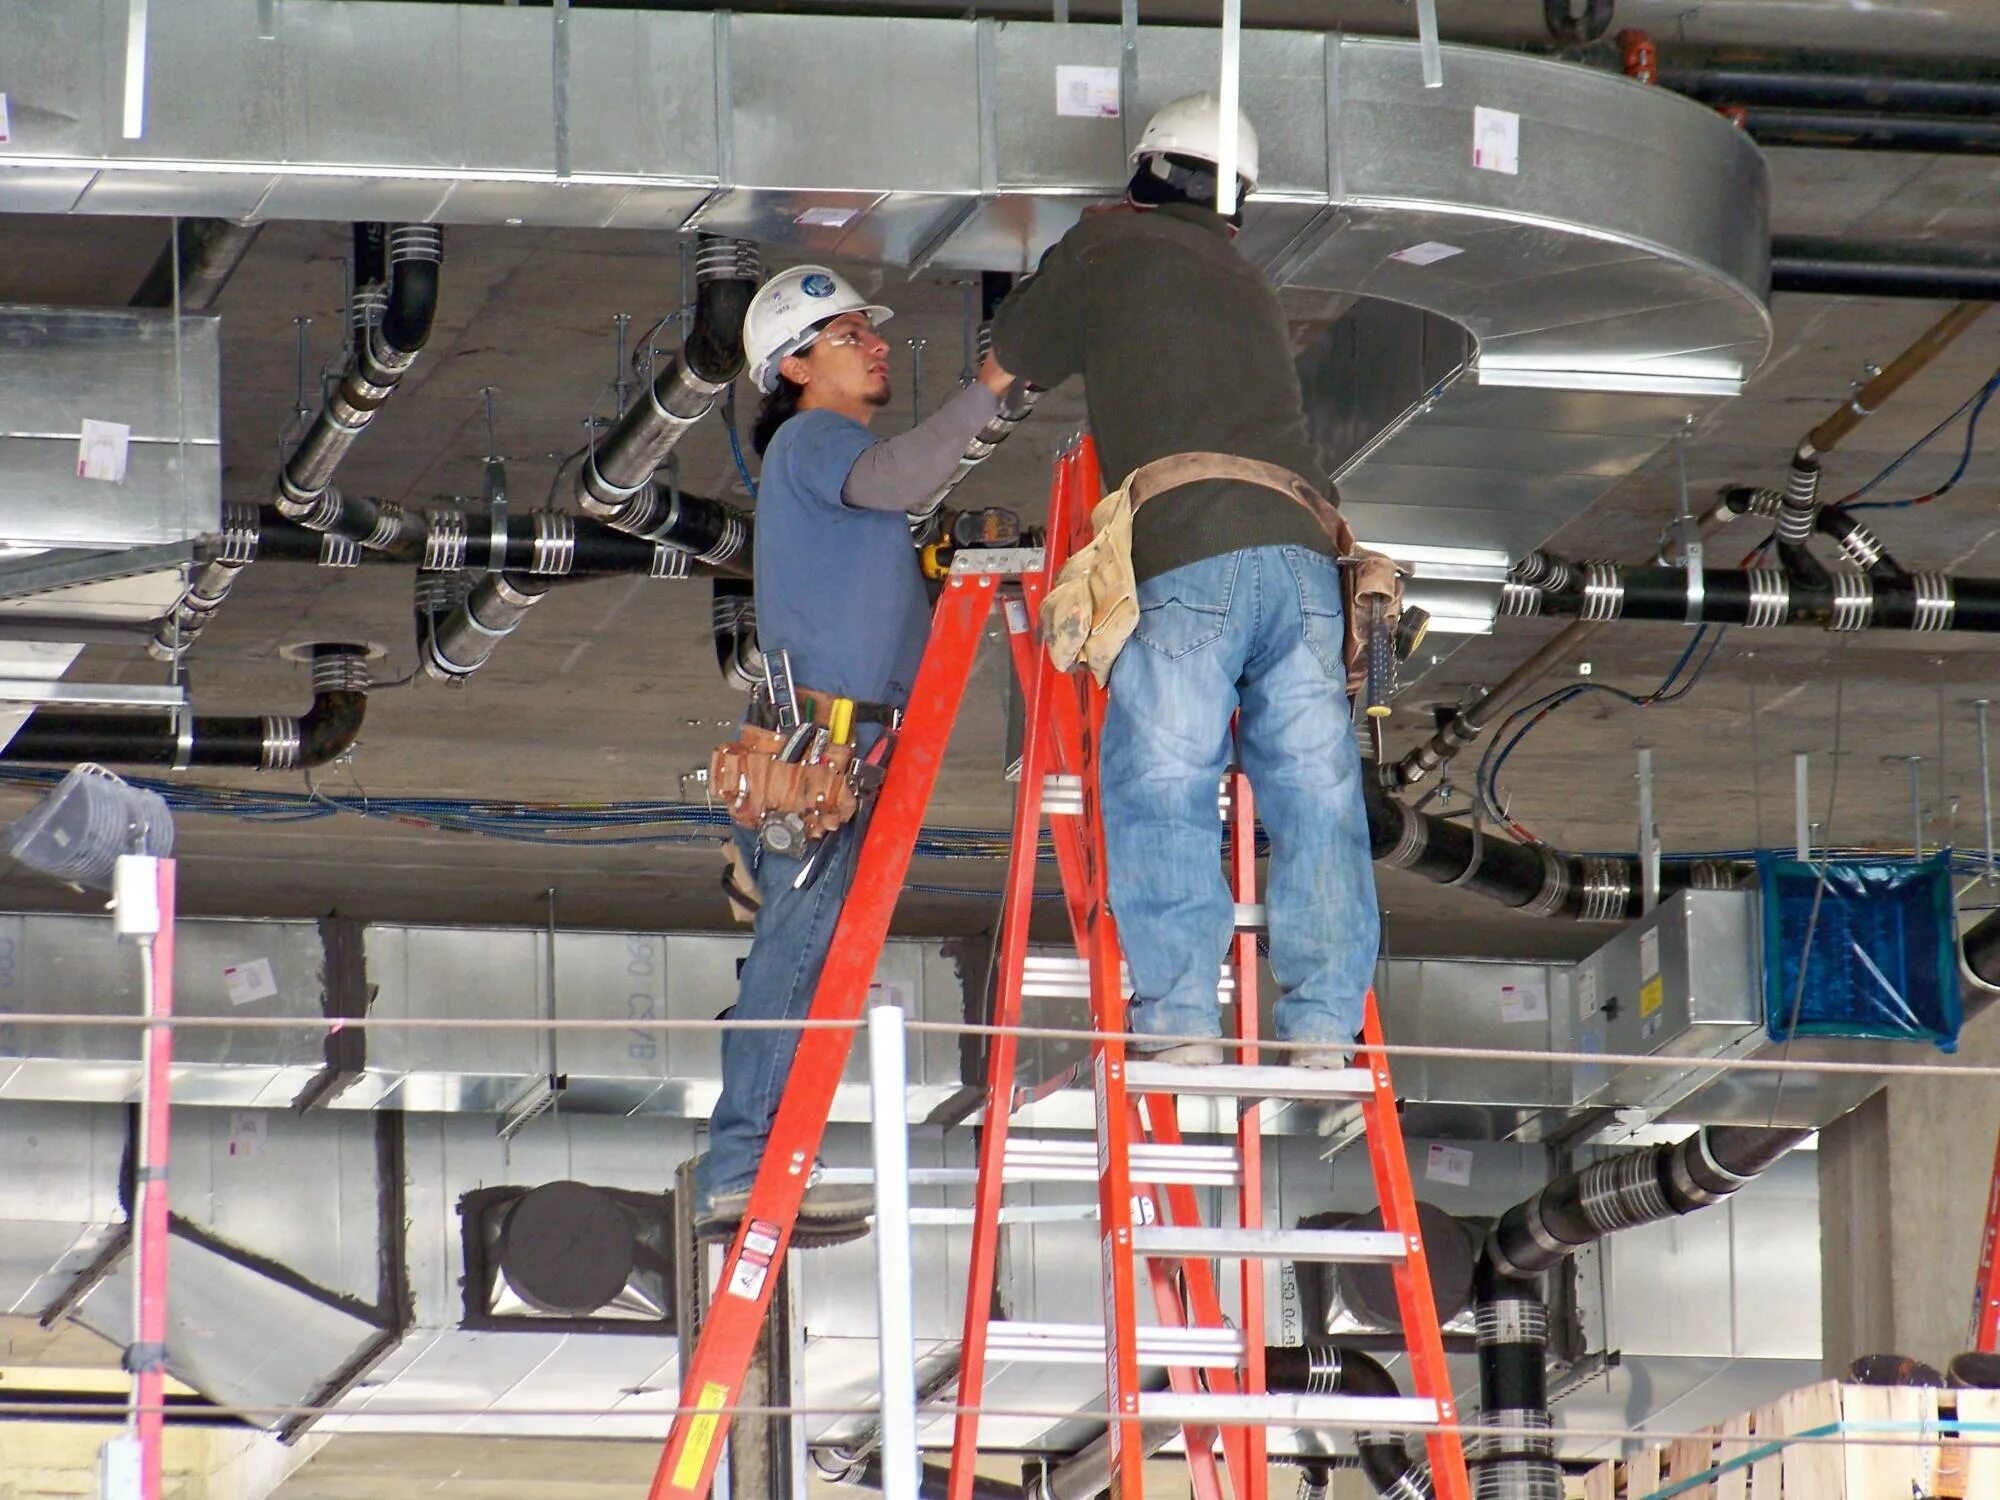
900	474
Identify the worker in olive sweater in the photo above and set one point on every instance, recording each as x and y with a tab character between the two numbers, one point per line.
1183	349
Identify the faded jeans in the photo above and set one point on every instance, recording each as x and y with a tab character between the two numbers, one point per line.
787	950
1258	630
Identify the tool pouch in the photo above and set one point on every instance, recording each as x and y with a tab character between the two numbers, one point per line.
750	778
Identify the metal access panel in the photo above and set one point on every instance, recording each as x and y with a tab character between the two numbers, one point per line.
61	367
1683	981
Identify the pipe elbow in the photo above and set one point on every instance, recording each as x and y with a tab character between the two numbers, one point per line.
330	728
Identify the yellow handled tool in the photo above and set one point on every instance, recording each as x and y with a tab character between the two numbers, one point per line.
840	719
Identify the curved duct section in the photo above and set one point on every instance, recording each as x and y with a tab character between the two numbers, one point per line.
615	481
395	298
273	742
1333	1369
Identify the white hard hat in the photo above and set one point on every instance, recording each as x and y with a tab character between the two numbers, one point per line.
788	312
1192	127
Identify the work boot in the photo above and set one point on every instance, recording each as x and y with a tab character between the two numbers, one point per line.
1331	1058
1185	1054
829	1214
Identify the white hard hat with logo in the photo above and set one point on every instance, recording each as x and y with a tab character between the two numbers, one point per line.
788	312
1192	127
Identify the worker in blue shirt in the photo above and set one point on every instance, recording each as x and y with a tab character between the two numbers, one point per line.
840	588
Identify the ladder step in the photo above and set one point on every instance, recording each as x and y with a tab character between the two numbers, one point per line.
1062	796
1031	1160
1262	1081
1203	1241
1058	976
1200	1409
1083	1344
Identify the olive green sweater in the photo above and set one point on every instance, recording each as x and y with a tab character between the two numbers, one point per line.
1183	349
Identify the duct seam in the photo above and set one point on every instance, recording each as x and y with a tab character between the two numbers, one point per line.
1603	592
1934	602
1853	601
1770	599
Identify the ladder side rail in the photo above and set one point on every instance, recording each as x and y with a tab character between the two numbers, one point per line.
1002	1053
1986	1290
1412	1276
1172	1313
714	1379
1249	1125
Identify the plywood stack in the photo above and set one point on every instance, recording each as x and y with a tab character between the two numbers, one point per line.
1887	1448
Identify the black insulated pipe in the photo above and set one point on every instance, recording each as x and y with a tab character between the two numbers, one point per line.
1515	1458
614	481
1321	1368
546	543
1764	598
1864	130
1778	88
1633	1187
1885	268
273	742
209	251
395	299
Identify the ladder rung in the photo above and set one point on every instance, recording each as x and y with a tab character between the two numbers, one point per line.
1204	1241
1083	1344
1059	976
1062	796
1251	916
1262	1081
1201	1409
1031	1160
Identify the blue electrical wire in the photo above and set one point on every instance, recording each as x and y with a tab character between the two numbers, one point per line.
1486	779
1976	404
736	443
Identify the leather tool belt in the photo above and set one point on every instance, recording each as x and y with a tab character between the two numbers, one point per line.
1093	607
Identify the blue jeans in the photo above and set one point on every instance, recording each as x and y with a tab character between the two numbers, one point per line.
788	947
1261	630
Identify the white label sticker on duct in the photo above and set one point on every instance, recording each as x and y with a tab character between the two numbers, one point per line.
1452	1164
827	217
1526	1001
6	133
100	452
249	1129
1649	953
1091	92
1496	140
251	981
1429	253
1587	1004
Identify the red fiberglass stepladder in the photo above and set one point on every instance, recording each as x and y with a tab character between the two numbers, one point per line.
1215	1368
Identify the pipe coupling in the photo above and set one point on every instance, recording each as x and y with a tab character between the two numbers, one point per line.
444	541
1510	1320
1863	548
720	258
367	308
316	509
1770	599
388	526
1543	570
1519	600
242	530
1932	603
1607	890
1555	887
1603	592
554	549
669	563
336	551
1518	1479
416	242
1529	1433
340	669
1853	601
280	750
1416	834
1622	1191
